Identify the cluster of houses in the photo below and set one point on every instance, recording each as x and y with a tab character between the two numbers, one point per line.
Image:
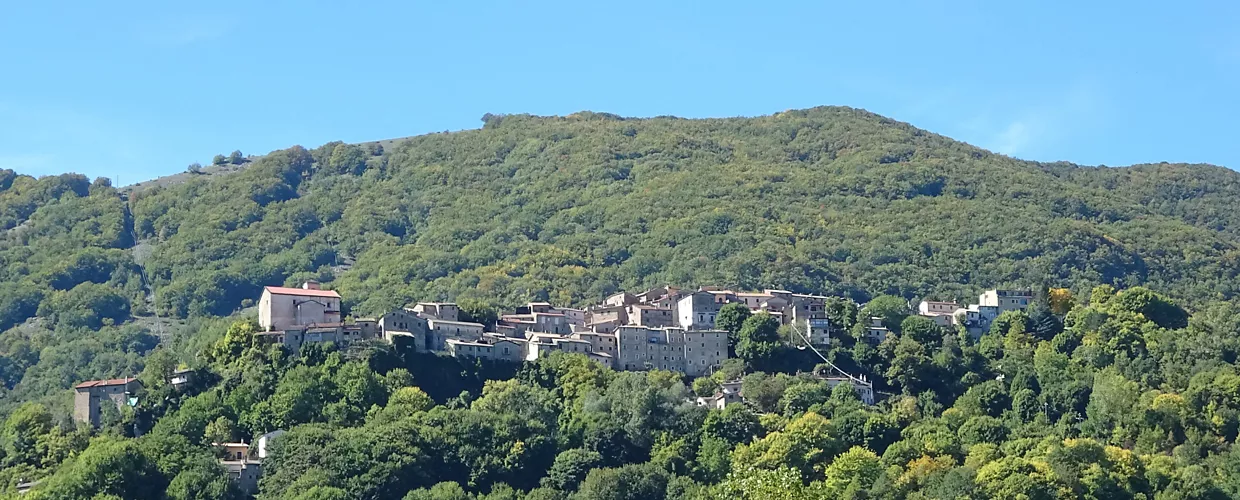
976	318
664	328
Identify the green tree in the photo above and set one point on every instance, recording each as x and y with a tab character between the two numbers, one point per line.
735	423
921	329
571	467
108	467
759	343
23	431
731	318
857	468
630	482
911	368
705	386
890	308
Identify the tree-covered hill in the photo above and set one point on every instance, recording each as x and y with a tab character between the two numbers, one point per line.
570	208
1109	395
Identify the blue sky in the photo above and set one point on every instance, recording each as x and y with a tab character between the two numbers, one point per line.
141	89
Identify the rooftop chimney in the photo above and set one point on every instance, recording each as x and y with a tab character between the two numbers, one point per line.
310	285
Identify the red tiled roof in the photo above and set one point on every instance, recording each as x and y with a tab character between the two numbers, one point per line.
103	383
281	290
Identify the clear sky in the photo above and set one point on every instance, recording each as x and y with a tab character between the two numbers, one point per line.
140	89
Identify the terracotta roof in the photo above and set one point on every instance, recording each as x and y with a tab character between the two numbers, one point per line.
103	383
281	290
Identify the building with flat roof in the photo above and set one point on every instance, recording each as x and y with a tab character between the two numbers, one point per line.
942	312
488	347
697	311
651	316
692	352
1006	300
446	311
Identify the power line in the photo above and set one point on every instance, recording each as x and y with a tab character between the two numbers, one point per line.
827	361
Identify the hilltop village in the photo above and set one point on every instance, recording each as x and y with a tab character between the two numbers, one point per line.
665	328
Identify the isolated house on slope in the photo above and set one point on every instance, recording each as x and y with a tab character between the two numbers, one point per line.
90	398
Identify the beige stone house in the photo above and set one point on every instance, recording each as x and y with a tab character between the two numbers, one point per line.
282	308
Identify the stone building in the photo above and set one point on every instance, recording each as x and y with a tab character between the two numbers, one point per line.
650	316
692	352
943	313
697	311
446	311
340	334
282	308
91	397
488	347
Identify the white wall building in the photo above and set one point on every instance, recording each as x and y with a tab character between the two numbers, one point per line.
697	311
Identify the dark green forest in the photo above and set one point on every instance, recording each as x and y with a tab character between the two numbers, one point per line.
1120	396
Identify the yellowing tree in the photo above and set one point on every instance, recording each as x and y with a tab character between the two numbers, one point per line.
1061	300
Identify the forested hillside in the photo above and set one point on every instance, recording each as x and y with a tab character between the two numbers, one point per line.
832	201
828	200
568	209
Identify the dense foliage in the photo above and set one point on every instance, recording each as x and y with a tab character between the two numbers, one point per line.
1108	394
1129	398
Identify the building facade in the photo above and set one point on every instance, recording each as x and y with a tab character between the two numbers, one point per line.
875	332
282	308
490	348
1006	300
692	352
818	330
91	397
650	316
446	311
697	311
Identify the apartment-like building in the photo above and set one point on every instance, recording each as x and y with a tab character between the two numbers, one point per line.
818	330
295	338
620	299
650	316
402	320
990	304
488	347
542	344
605	343
574	317
1006	300
692	352
440	330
